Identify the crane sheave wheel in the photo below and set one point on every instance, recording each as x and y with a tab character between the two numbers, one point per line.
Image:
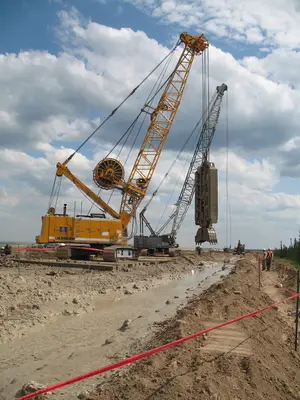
108	173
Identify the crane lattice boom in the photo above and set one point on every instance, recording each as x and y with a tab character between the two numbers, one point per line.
161	122
199	157
109	173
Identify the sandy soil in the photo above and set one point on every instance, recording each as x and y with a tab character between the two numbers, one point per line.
33	295
57	323
254	358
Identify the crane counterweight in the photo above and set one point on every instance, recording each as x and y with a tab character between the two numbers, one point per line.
206	202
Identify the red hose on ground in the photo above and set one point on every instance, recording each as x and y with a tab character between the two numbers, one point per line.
148	353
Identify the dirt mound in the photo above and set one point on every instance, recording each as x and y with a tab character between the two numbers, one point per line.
252	358
288	273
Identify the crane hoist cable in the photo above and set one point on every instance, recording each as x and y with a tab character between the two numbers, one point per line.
201	153
159	227
130	129
228	208
205	108
142	110
158	242
113	112
148	101
171	166
126	98
194	130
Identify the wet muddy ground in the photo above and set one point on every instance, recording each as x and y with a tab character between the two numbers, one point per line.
80	339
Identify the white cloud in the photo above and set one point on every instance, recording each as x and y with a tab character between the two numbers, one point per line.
46	97
6	200
254	99
49	102
278	65
273	22
253	204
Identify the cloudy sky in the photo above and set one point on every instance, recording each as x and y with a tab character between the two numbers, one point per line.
66	64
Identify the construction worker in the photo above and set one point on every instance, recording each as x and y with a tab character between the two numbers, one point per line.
264	259
269	259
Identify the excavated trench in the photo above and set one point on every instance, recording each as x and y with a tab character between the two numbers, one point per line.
72	345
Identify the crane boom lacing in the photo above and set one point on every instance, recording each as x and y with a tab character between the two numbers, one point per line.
200	155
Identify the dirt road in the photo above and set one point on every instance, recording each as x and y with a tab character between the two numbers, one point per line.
85	333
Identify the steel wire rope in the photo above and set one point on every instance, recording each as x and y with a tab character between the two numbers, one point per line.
174	162
112	113
207	66
55	192
171	195
205	111
157	83
58	190
189	156
124	101
128	132
203	83
139	114
228	208
51	198
158	90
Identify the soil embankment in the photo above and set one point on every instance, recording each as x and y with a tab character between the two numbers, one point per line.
60	322
253	358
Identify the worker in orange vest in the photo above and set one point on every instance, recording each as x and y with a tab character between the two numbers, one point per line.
269	259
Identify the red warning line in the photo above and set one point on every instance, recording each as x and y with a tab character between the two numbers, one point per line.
148	353
281	288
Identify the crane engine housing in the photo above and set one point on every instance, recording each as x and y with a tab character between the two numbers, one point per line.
206	202
92	228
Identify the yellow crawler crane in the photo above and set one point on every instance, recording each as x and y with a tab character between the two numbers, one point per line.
108	174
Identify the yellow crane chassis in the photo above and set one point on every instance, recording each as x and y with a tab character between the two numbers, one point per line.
68	229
